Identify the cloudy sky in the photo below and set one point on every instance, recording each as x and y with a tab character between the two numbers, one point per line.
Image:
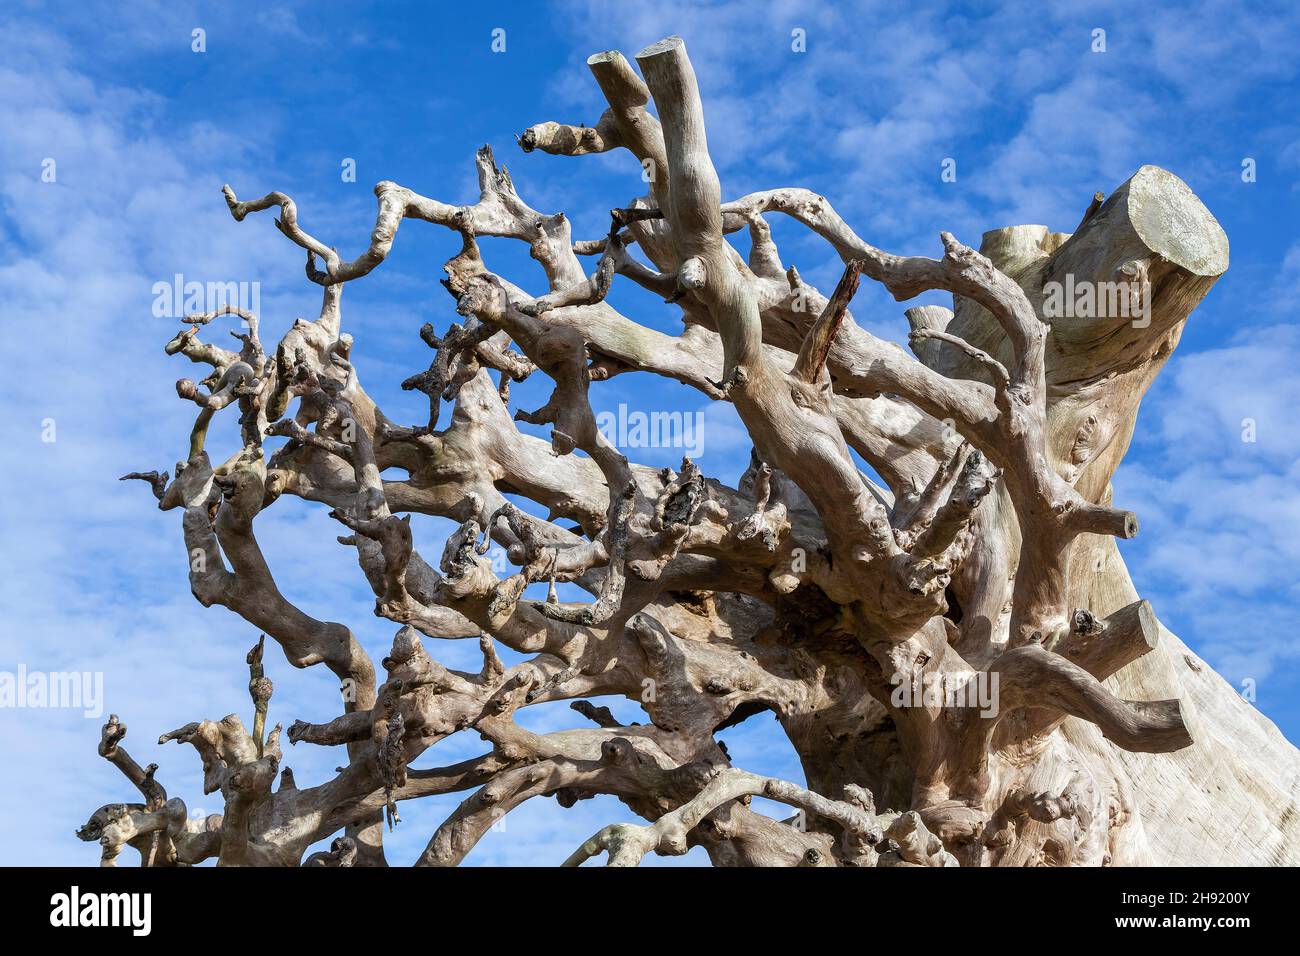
116	137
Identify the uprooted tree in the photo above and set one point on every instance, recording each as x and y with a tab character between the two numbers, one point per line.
986	559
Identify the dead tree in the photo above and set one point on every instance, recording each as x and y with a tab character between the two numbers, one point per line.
938	648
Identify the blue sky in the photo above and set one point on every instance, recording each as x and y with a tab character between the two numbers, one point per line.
144	132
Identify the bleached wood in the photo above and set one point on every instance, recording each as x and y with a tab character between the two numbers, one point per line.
808	591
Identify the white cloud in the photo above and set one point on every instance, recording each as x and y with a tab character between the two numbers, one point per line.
1220	515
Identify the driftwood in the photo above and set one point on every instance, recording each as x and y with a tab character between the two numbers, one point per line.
986	562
